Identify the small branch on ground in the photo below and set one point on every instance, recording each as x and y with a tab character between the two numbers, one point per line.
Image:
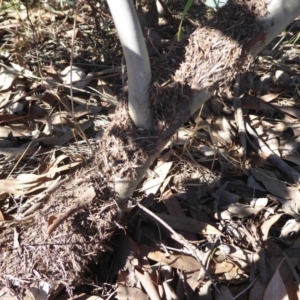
265	152
239	119
180	239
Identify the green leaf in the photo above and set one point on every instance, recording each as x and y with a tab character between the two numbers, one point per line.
186	9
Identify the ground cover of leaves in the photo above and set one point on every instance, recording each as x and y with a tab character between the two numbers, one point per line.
220	193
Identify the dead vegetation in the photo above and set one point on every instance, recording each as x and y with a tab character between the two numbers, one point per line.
217	215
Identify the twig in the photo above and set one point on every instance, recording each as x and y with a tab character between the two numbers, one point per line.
180	239
239	119
72	57
238	114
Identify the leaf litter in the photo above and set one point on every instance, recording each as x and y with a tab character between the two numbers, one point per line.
236	216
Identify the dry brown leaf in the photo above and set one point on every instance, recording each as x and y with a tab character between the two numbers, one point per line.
273	143
239	210
14	131
165	184
66	136
253	184
175	209
271	182
205	292
292	158
291	110
23	71
148	285
258	289
7	76
291	228
126	293
268	97
71	74
219	192
241	257
259	203
1	216
265	227
207	151
26	183
226	133
107	93
180	262
276	288
152	185
189	225
222	267
224	197
225	293
187	283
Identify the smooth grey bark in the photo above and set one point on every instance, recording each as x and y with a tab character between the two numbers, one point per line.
281	13
137	60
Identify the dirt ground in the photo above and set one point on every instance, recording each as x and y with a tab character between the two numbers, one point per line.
215	217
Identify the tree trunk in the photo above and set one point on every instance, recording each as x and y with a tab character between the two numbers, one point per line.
280	14
137	60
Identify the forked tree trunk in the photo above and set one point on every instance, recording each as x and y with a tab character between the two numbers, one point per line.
280	14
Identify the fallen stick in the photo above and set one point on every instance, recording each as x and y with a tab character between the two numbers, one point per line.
265	152
180	239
